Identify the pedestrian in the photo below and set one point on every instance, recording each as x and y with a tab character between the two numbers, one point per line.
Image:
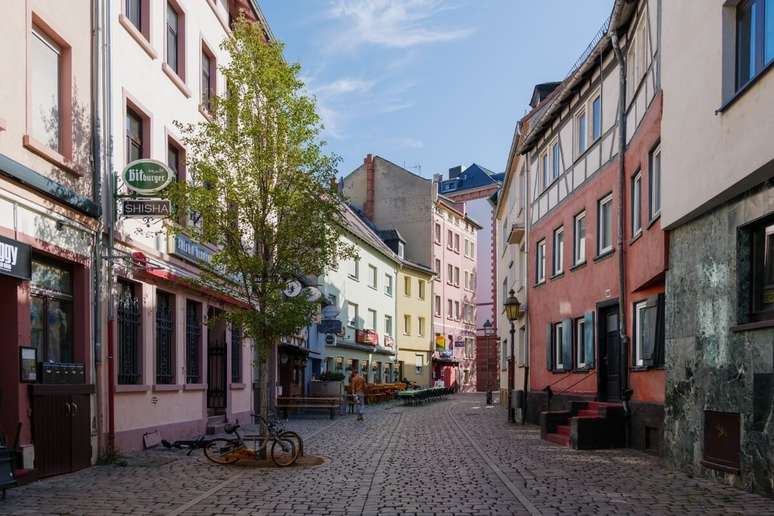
358	384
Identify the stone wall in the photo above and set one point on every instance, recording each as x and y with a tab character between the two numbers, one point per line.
712	365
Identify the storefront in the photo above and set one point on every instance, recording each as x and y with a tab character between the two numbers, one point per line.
446	369
293	359
376	363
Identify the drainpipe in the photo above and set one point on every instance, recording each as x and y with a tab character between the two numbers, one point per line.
96	35
110	211
621	222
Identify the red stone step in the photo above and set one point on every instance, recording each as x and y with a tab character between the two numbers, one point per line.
588	413
562	440
602	405
563	430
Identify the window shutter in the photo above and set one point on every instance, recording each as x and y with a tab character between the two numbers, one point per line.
658	354
567	344
588	338
648	331
549	347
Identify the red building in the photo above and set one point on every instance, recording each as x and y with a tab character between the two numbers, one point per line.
597	252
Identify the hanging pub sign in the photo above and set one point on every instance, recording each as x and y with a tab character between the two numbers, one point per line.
146	208
440	341
147	176
332	326
15	259
368	337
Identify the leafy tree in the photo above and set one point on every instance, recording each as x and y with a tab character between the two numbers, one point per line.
261	190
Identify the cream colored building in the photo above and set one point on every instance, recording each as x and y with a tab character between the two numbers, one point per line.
415	337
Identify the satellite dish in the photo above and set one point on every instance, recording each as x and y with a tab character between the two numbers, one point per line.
293	288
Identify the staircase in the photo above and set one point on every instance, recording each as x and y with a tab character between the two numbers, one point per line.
215	425
587	425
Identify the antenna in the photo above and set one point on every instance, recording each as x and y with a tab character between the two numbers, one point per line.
418	168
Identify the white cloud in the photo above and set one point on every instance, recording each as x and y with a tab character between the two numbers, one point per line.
389	23
409	143
342	86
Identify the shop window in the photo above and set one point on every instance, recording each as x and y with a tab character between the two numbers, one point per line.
193	341
165	338
340	364
129	341
236	354
51	311
649	332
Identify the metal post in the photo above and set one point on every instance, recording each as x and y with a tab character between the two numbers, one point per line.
511	377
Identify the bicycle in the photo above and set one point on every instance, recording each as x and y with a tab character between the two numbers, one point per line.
283	452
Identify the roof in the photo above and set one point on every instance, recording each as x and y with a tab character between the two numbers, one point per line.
362	230
475	176
541	91
449	204
390	234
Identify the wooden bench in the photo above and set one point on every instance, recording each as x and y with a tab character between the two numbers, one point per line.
285	403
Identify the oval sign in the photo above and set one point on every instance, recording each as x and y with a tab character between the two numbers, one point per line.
147	176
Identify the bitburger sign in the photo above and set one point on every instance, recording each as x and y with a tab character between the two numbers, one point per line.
14	259
147	176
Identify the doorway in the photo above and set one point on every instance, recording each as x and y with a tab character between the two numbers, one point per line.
610	354
216	365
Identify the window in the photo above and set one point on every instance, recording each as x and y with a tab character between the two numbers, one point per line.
371	319
544	166
407	286
421	289
540	264
421	327
437	233
372	272
135	145
762	277
175	41
596	117
467	280
46	116
581	131
579	242
420	362
558	251
438	305
165	338
340	364
636	204
649	332
605	225
642	41
457	242
129	343
655	181
401	250
437	269
457	276
134	13
580	348
354	269
457	310
555	161
449	273
472	250
754	38
51	313
449	238
388	284
208	79
449	308
388	325
406	325
559	346
236	354
193	340
352	317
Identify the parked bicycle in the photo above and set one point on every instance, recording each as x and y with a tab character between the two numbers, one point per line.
283	447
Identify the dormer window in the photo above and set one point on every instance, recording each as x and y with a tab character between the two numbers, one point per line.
401	249
449	186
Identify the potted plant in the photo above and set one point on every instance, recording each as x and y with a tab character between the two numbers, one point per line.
330	385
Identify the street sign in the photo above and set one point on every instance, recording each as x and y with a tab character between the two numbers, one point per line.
146	208
330	339
147	176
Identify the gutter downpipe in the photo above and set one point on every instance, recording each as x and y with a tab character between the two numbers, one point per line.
96	149
108	107
621	222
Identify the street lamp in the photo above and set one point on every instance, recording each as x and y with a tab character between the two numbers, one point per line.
487	336
512	312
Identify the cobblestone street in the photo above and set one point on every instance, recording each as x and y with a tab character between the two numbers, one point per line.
450	457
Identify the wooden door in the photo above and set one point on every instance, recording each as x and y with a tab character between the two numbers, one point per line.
611	376
52	434
80	418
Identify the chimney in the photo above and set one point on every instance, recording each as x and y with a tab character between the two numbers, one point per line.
437	178
455	171
368	209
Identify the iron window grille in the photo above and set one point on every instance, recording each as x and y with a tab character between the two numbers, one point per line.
236	355
193	337
128	335
164	339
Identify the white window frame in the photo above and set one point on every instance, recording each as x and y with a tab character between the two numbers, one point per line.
57	51
558	336
608	199
449	309
421	326
558	255
540	261
401	249
388	325
373	275
419	362
450	273
438	307
579	243
407	324
350	321
595	131
355	272
438	235
636	204
638	309
373	319
388	284
543	165
407	286
556	160
654	183
580	341
581	133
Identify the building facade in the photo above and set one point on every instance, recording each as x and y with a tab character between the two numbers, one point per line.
49	225
718	205
596	275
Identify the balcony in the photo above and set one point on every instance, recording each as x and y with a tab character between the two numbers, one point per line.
516	234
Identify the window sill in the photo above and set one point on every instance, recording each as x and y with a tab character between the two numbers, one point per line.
138	36
195	387
354	278
53	157
206	113
583	369
132	388
578	265
558	275
604	256
745	88
237	386
176	80
540	283
636	237
372	287
654	220
162	387
758	325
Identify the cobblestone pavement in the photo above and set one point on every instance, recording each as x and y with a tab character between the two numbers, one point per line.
451	457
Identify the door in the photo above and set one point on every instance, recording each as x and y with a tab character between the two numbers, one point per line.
80	417
51	434
216	375
611	363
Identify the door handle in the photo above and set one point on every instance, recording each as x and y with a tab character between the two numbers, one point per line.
68	409
75	409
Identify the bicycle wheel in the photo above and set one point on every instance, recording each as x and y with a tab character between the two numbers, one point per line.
222	451
283	452
296	440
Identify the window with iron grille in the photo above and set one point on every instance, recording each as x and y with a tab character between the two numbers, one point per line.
193	338
165	338
236	354
128	334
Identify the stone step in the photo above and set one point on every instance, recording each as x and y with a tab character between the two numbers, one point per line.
215	425
562	440
563	430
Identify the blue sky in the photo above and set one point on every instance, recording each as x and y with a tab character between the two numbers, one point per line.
429	83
